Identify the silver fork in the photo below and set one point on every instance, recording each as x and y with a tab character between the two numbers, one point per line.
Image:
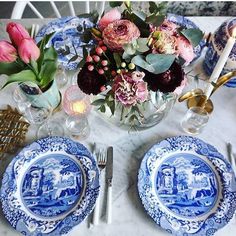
101	160
231	157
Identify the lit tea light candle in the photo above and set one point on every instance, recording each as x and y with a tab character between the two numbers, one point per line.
221	62
75	102
79	107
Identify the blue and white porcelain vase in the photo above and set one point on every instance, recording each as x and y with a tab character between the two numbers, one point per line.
216	47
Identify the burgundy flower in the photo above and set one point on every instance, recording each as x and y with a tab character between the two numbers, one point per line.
128	90
167	81
90	82
119	33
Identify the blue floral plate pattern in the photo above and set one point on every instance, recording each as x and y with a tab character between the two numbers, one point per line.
187	186
50	187
68	38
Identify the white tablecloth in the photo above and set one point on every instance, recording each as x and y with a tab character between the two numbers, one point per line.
129	216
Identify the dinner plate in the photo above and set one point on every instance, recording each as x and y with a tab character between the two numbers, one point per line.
49	187
187	24
187	186
68	39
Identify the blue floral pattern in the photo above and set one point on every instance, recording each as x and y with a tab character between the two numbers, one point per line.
49	187
68	38
215	48
187	186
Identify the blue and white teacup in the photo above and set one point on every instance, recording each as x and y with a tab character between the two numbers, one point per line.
216	47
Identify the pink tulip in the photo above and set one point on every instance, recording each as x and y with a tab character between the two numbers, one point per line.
17	33
28	50
108	18
185	49
7	52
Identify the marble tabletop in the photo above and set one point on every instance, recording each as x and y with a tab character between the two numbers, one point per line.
129	216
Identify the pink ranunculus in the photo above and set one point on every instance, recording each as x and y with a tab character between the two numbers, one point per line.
108	18
28	50
169	27
185	49
7	52
17	33
128	91
119	33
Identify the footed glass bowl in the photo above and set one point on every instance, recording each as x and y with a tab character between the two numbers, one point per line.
150	113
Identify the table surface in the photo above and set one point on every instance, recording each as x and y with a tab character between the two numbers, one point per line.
129	216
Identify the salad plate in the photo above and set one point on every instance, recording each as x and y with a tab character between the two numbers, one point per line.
69	38
49	187
187	187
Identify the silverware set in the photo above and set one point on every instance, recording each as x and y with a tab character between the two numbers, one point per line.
104	158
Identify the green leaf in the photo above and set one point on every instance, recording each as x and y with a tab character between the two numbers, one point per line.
111	105
47	73
98	102
193	35
156	20
117	59
142	45
9	68
160	62
139	60
23	76
126	56
74	58
160	8
130	48
102	108
115	4
50	54
140	14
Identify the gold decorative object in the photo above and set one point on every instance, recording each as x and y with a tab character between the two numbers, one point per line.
196	97
13	130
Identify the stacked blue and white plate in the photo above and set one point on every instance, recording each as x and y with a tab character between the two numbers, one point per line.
187	186
50	187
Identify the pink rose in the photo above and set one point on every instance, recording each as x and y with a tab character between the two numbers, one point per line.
7	52
108	18
119	33
185	49
17	33
128	91
28	50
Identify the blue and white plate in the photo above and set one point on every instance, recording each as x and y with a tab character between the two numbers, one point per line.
68	39
188	24
49	187
187	186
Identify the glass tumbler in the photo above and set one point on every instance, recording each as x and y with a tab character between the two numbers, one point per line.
77	127
195	120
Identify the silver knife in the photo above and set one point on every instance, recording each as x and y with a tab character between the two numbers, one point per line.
109	176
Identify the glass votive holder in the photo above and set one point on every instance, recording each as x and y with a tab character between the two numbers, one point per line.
75	102
77	127
195	120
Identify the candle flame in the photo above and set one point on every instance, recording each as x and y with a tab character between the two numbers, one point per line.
79	107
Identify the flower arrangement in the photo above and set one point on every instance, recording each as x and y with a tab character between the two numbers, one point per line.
136	54
24	60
